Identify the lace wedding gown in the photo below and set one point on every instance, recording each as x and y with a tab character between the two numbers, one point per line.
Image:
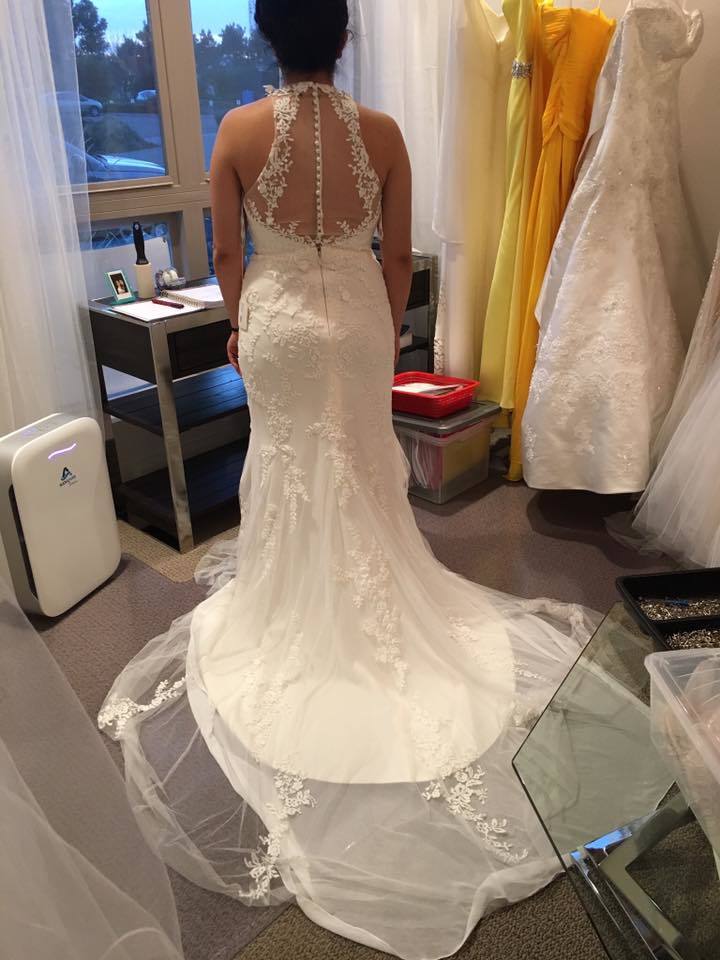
679	512
624	282
336	722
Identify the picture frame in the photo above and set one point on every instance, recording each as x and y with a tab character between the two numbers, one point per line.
119	286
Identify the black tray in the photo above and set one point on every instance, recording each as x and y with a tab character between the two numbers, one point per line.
683	584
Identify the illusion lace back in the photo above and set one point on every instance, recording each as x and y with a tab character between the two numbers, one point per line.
336	722
317	129
623	286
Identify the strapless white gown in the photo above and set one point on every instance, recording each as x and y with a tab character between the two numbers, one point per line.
624	281
336	722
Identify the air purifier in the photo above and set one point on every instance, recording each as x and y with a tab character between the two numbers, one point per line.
57	517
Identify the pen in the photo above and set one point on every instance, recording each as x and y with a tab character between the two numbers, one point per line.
168	303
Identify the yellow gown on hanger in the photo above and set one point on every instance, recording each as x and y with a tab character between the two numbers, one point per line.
470	198
528	93
576	42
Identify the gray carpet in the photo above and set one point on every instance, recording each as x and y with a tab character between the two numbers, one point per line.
501	535
548	926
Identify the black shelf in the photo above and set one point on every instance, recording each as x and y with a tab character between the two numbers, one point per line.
199	399
212	481
419	343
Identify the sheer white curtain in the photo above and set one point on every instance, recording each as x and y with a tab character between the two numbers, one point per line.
399	57
77	879
45	364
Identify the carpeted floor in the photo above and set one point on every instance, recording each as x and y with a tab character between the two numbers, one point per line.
502	535
548	926
179	567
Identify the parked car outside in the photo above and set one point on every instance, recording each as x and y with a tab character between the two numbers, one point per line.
101	168
68	100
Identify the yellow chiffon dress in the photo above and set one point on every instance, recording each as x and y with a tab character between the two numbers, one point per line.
469	200
576	42
526	103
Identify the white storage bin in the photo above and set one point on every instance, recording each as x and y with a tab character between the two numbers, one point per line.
685	709
445	466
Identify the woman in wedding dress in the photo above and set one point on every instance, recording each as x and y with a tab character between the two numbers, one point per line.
336	722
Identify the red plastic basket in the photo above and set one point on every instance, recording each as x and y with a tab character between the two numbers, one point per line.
433	407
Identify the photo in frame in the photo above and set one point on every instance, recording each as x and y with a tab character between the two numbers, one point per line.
119	286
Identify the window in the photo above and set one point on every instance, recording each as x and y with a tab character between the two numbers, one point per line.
112	248
207	219
234	64
148	124
121	129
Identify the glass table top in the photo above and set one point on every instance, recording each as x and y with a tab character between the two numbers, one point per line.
596	782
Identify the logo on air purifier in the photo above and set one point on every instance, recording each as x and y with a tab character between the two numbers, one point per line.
67	477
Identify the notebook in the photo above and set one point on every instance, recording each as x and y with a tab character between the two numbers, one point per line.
200	297
149	311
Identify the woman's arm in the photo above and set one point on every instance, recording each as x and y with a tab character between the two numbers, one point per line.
396	230
226	199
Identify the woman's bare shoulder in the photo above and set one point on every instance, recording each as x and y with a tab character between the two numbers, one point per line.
245	138
383	139
382	124
241	119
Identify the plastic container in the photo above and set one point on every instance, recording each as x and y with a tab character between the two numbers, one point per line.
685	716
432	407
682	585
479	410
449	456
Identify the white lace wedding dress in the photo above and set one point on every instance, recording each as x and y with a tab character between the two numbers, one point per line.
624	282
336	722
679	512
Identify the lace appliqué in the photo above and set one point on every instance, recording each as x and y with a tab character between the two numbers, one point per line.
293	797
118	711
368	182
272	182
479	649
369	574
263	692
377	486
341	453
464	795
264	695
530	438
434	742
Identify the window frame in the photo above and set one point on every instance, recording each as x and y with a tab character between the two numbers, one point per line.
183	194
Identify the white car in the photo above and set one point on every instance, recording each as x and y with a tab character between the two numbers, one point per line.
100	168
68	100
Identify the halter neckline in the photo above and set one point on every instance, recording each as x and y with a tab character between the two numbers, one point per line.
301	86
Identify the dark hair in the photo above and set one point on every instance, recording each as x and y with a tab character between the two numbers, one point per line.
306	35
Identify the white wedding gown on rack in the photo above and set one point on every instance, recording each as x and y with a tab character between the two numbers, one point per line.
624	281
679	512
336	722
